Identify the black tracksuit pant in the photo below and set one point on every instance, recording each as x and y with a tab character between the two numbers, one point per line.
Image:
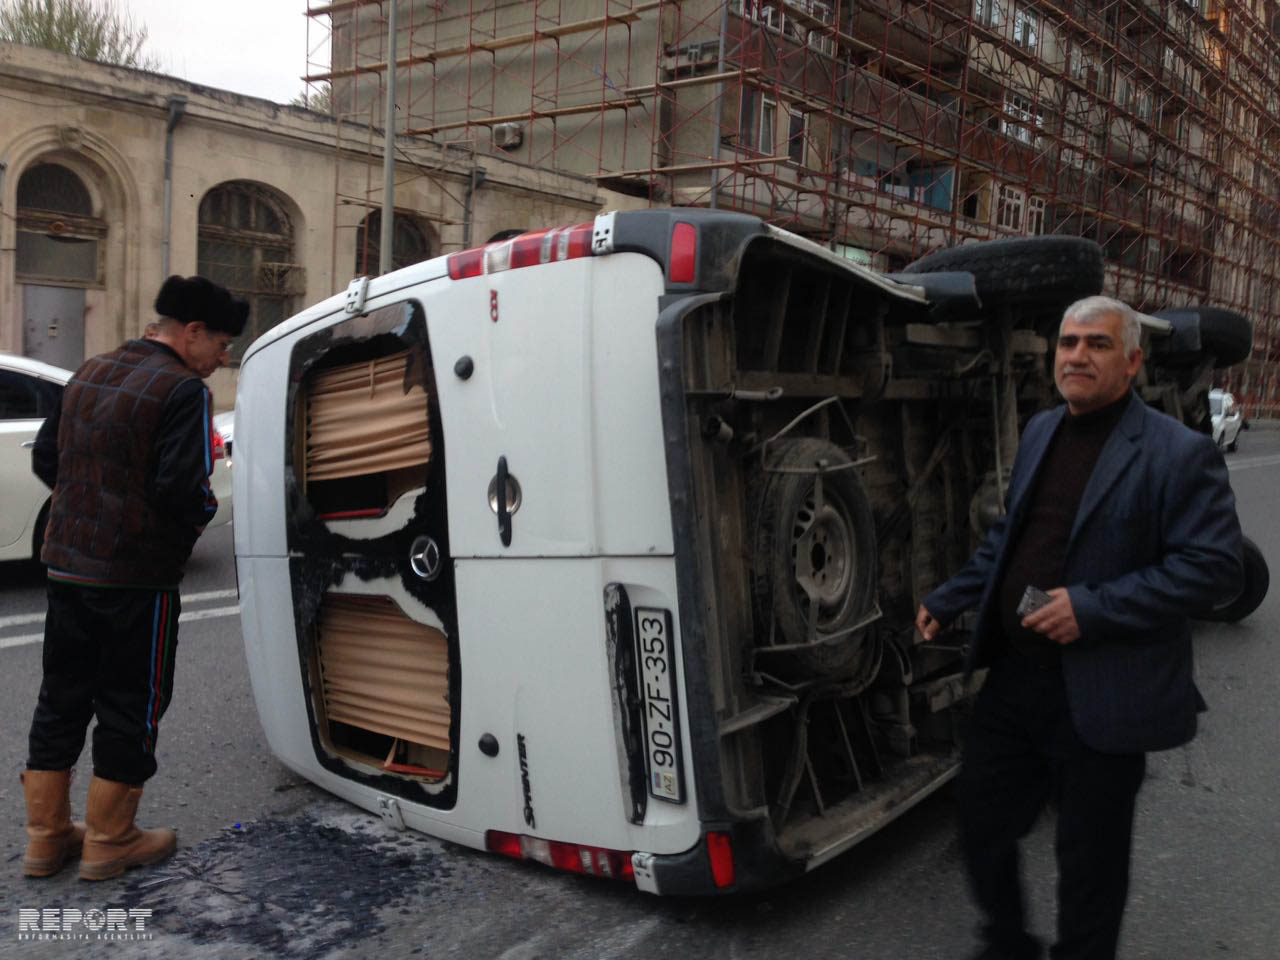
1021	752
108	651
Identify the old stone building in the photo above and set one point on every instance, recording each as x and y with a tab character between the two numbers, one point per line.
112	178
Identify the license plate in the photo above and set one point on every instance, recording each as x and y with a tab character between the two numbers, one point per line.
661	722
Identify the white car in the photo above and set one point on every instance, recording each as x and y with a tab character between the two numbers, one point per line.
1227	419
29	390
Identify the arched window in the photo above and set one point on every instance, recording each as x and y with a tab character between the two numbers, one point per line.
59	238
411	242
245	243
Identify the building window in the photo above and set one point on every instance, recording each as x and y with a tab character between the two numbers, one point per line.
748	117
1142	104
774	16
1026	28
58	237
1009	206
1023	119
411	242
797	124
1084	150
1035	216
818	39
768	122
245	243
989	13
1085	67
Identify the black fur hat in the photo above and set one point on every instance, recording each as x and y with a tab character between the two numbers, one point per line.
193	299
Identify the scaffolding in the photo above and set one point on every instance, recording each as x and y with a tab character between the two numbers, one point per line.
882	128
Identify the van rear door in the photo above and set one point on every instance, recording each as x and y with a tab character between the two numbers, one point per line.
562	388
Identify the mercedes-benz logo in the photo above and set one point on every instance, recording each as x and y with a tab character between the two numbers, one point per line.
424	557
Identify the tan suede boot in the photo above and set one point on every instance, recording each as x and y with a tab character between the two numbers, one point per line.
113	843
52	838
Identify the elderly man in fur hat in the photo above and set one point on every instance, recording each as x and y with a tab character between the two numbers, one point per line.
129	457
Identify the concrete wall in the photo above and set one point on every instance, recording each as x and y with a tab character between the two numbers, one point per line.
108	125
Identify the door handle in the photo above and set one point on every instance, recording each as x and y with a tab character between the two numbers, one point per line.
504	499
504	517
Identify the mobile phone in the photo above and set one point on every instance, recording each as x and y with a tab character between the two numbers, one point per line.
1032	600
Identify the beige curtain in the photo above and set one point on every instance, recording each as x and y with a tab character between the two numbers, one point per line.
384	672
360	420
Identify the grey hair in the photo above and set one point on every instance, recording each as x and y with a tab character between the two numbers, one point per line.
1091	309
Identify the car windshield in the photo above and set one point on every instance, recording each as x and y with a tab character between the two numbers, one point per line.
1215	406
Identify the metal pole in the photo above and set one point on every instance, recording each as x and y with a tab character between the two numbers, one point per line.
177	104
389	151
715	146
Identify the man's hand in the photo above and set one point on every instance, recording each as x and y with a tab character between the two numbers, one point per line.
928	627
1055	620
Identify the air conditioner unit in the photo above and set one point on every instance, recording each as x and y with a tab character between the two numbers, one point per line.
704	52
508	136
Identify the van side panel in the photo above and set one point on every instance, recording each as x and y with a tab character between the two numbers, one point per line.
271	648
257	479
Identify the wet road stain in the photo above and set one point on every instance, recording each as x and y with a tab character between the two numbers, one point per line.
289	888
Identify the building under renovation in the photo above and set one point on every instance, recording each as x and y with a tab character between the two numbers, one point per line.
883	128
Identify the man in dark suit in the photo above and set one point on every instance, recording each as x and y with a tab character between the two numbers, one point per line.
1126	520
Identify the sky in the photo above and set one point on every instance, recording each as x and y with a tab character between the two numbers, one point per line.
257	47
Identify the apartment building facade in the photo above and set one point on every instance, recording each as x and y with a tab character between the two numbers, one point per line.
884	128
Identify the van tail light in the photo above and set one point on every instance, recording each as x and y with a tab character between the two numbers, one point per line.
468	263
720	852
684	253
526	250
219	446
574	857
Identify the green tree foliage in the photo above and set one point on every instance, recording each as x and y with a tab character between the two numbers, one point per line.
93	29
318	98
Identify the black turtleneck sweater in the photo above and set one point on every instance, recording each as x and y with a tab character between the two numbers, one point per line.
1039	552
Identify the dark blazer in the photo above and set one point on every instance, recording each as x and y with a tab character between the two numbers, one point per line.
1156	539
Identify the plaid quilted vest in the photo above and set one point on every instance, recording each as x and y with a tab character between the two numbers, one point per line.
104	525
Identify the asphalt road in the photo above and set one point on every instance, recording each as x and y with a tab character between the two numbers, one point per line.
269	866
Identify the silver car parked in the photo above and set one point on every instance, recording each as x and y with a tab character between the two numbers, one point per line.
1227	419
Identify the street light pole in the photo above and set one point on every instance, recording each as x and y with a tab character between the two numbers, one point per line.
389	152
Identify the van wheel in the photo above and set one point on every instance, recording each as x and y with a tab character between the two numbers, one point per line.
1047	273
1226	334
814	557
1257	578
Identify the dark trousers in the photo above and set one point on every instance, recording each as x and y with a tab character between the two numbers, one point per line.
1021	752
110	652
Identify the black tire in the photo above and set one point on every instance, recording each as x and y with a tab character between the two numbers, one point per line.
1229	335
805	553
1224	333
1048	273
1175	347
1257	578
